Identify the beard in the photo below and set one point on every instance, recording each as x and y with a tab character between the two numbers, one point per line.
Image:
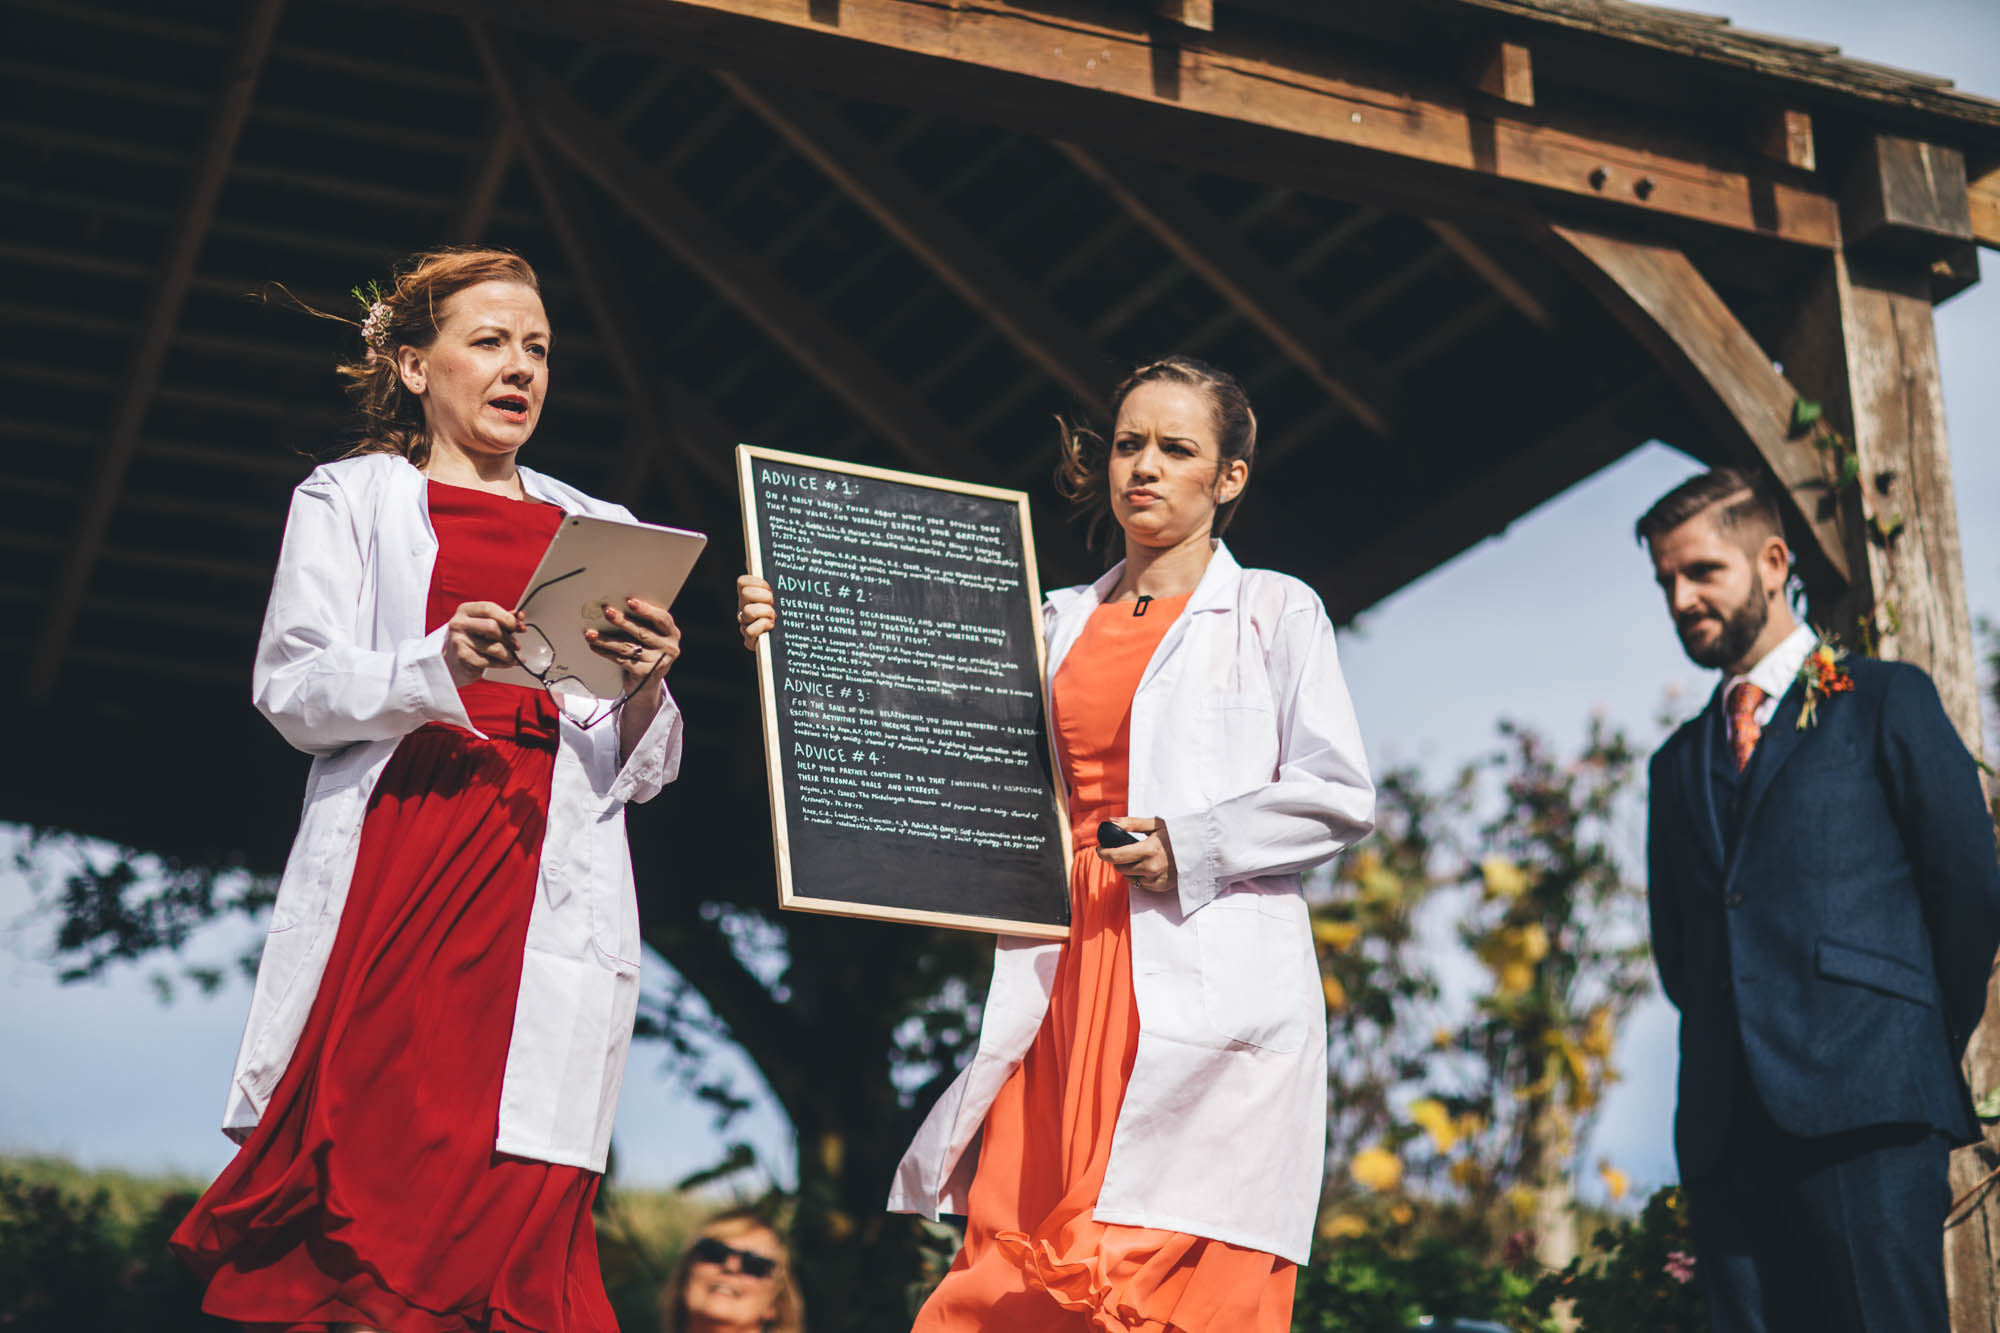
1740	628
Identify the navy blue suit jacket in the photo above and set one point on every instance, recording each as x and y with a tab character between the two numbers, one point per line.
1842	939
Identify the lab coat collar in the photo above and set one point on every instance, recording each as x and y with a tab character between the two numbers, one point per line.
1215	592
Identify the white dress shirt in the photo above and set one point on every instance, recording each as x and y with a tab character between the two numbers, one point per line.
1773	674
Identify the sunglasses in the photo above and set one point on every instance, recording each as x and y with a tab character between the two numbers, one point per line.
709	1250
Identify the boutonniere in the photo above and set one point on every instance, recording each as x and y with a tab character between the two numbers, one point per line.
1820	676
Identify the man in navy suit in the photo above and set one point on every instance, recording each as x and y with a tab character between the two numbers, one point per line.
1825	909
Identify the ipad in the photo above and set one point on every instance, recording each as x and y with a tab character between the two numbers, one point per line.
588	563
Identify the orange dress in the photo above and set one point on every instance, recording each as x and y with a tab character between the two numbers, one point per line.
1035	1260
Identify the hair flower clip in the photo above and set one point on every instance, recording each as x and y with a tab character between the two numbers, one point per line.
1821	676
375	316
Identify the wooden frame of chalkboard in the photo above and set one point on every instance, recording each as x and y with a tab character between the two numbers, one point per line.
909	754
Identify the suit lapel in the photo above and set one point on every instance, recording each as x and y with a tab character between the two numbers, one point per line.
1781	737
1697	763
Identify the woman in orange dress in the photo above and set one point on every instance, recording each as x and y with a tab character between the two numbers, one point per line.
1148	1098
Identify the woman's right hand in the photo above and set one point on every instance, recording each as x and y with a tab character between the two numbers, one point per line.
479	637
756	609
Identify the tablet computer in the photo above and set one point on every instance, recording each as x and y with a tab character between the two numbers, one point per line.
591	562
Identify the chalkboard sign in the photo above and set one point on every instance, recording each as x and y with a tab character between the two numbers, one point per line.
904	730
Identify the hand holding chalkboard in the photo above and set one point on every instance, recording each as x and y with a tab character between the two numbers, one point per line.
756	609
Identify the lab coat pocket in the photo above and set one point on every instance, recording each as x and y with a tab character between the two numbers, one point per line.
1247	981
1239	736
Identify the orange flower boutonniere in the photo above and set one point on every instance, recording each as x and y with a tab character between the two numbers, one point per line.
1821	675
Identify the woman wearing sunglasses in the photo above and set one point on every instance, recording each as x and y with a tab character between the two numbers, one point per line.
736	1277
426	1084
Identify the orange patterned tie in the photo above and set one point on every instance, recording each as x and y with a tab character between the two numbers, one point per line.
1744	728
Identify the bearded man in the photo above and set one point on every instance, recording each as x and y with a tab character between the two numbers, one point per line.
1825	903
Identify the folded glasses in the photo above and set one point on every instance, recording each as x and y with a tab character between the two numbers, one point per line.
537	657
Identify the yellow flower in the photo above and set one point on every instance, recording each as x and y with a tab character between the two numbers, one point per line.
1470	1124
1515	978
1402	1214
1378	882
1503	878
1442	1038
1522	1200
1598	1032
1430	1115
1336	994
1616	1183
1376	1168
1534	941
1336	935
1344	1226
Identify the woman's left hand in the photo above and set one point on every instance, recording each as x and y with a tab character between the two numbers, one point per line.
648	641
1148	863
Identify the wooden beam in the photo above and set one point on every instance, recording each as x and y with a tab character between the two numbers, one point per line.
1905	197
483	182
1787	136
163	312
763	297
1983	204
1220	257
946	246
1319	117
1196	14
656	409
1505	70
1495	274
1657	293
1487	504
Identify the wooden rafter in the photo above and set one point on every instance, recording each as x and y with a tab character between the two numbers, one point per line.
163	312
483	182
1486	505
1658	294
1265	297
758	292
1984	196
939	240
1319	117
1495	274
658	405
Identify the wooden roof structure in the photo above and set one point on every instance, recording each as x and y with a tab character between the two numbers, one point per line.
897	230
1463	254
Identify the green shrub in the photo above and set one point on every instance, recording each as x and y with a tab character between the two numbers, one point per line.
1639	1274
1366	1285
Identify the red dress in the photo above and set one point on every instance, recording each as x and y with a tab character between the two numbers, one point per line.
370	1191
1036	1260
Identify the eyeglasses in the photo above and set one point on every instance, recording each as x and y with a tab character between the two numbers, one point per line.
709	1250
537	657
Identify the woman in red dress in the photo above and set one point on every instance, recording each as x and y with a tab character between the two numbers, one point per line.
426	1085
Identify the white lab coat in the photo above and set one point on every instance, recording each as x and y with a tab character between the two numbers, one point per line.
1244	741
344	671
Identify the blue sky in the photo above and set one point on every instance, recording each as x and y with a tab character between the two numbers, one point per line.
1560	612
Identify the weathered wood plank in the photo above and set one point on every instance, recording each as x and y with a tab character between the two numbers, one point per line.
136	390
1196	14
871	392
1787	136
946	246
1983	206
1265	297
1657	293
1321	117
1506	70
1906	197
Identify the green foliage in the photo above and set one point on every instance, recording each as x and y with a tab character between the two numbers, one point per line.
78	1252
1638	1275
1368	1285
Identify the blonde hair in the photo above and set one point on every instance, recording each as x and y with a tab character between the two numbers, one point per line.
1082	472
409	313
788	1306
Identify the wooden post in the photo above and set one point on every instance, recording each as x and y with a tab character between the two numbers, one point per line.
1863	346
